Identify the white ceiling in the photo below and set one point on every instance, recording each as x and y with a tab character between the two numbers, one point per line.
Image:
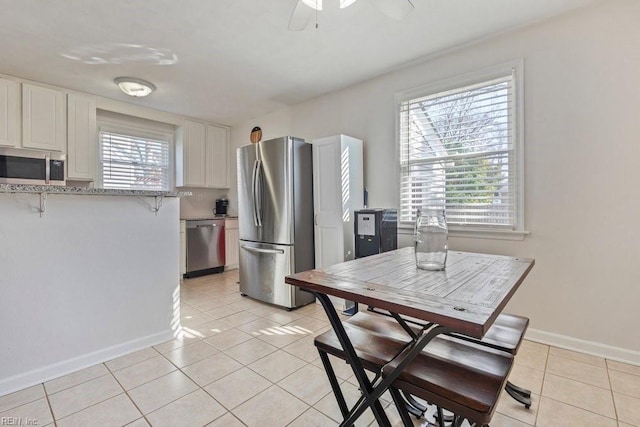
229	60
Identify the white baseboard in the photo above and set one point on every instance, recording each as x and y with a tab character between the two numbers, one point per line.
588	347
55	370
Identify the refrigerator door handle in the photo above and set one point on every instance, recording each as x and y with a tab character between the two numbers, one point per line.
259	192
262	251
254	180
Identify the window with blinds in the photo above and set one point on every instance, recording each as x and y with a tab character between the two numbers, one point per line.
133	162
457	151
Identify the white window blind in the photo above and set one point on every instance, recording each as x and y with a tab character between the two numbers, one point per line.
133	162
457	151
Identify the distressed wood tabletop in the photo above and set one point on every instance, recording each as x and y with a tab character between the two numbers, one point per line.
466	297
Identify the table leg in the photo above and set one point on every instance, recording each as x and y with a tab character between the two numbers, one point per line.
352	358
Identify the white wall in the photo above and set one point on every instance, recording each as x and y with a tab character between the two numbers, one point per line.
95	278
581	134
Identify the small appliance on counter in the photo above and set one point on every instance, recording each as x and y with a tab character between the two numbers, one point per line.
221	207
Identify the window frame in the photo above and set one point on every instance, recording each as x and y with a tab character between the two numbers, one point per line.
140	132
516	68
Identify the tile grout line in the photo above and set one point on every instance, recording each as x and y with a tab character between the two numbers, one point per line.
92	405
544	376
46	395
129	397
24	403
569	404
613	398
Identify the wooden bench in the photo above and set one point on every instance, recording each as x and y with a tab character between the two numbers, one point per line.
462	377
469	372
506	334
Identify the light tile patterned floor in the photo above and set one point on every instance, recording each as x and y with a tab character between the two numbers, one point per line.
241	362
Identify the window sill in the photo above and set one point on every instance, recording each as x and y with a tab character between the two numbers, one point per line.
475	233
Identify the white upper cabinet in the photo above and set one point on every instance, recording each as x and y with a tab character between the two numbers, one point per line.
216	168
190	155
82	137
44	125
201	155
9	113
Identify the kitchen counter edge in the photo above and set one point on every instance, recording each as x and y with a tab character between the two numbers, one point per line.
17	188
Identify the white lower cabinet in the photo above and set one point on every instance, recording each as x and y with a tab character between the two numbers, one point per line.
231	244
183	248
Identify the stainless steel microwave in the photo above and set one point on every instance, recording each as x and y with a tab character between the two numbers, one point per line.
31	167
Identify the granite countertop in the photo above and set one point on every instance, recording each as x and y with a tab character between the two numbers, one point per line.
52	189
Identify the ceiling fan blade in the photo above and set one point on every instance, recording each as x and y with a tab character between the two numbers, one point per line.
300	17
396	9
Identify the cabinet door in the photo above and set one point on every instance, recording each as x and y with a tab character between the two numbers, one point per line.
183	248
82	140
43	118
232	247
217	151
9	113
194	154
327	204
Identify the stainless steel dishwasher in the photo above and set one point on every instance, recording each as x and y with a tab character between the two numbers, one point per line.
205	247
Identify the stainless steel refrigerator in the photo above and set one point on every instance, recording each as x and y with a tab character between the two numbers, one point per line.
275	213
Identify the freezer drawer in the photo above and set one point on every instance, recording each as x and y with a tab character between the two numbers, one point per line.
263	268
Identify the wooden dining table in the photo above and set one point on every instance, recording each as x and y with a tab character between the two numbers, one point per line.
464	298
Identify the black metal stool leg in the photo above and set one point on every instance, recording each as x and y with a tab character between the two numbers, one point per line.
412	410
450	418
352	358
414	403
526	401
522	391
337	392
440	417
401	406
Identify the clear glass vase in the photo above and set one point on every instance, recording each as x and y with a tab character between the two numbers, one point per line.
431	236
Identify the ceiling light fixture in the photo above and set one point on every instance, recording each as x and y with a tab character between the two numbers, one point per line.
346	3
135	87
313	4
305	9
317	4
